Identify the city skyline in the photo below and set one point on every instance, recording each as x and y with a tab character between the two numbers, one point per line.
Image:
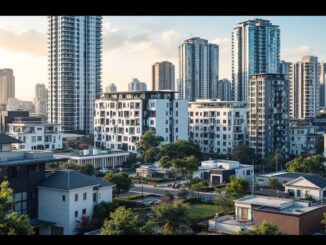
145	40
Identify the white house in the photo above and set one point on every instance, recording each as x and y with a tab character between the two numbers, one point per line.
67	195
219	171
312	184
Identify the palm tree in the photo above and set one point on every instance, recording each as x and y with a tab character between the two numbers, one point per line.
172	218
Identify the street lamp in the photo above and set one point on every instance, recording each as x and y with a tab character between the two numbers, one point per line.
216	220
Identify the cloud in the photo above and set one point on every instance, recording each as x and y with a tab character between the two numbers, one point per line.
31	41
220	41
296	54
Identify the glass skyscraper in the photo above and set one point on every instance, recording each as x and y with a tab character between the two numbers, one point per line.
255	49
75	63
198	69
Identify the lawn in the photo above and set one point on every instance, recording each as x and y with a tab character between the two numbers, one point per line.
201	211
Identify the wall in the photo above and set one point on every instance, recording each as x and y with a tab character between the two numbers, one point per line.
104	194
182	118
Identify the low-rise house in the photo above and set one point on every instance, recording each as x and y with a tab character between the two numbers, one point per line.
67	195
310	185
282	176
219	171
99	159
154	171
291	217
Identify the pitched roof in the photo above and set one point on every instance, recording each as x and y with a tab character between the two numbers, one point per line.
6	139
71	179
291	175
313	178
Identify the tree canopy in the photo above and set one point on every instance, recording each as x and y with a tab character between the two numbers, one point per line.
244	154
237	187
262	229
122	181
181	149
11	223
311	164
148	147
125	222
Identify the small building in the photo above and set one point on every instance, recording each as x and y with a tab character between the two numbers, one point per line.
36	134
154	171
67	195
97	158
219	171
291	217
309	185
282	176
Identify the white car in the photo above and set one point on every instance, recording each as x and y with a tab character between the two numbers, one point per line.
104	170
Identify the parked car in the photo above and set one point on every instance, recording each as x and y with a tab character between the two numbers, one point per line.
104	170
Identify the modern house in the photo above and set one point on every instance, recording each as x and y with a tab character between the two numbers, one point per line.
96	158
154	171
219	171
291	217
67	195
309	185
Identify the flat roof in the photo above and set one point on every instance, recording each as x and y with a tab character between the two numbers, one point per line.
74	154
30	161
263	200
295	209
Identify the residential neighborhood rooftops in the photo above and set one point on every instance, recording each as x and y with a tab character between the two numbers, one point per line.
70	179
313	178
5	139
283	174
263	201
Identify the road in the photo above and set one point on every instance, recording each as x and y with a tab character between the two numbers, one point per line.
206	196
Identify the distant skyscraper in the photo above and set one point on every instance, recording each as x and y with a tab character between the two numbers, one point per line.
136	85
255	49
198	69
7	85
111	88
323	85
163	76
285	69
304	88
269	114
224	90
75	63
41	99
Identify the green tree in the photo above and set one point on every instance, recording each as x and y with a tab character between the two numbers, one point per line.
262	229
148	146
11	223
323	221
237	187
132	159
125	222
311	164
274	162
320	145
244	154
172	218
180	149
224	204
122	181
88	140
274	183
88	170
183	193
102	211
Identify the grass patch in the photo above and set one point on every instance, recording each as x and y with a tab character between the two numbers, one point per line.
201	211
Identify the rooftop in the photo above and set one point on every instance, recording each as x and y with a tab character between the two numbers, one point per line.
5	139
283	174
88	153
70	179
313	178
263	201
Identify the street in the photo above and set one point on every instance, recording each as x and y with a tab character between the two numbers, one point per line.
206	196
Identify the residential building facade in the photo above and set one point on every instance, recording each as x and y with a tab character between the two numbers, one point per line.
305	88
224	88
218	126
75	68
136	85
36	135
7	117
285	68
198	69
163	77
123	117
41	99
269	114
255	49
322	80
7	85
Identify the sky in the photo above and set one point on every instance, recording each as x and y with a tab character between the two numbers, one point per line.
132	44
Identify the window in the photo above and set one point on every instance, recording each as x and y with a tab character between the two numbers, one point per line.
176	113
176	130
298	193
84	211
63	198
33	139
85	196
176	104
76	197
94	197
76	214
39	138
324	194
248	172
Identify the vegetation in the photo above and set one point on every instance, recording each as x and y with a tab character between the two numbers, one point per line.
172	218
122	181
311	164
148	147
88	140
323	221
274	183
274	162
180	149
88	169
237	187
155	180
11	223
132	159
183	193
201	211
225	205
244	154
102	211
320	145
125	222
262	229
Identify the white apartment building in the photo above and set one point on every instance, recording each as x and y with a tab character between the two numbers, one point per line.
67	195
303	139
36	135
123	117
218	126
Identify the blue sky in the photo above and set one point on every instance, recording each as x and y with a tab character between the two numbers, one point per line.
133	44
